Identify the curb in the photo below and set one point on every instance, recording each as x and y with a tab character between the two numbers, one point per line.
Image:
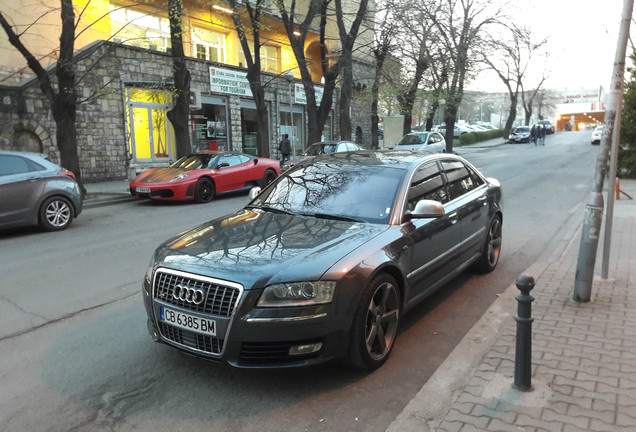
104	200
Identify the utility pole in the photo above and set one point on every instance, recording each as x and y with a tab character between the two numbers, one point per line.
594	209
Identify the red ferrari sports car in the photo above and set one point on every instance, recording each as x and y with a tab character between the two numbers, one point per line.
200	176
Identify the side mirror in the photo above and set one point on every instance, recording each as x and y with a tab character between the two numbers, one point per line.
222	165
254	192
425	209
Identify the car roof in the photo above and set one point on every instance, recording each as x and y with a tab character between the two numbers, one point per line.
401	159
323	143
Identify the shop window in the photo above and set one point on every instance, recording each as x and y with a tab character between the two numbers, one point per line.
209	45
269	58
209	128
139	29
150	134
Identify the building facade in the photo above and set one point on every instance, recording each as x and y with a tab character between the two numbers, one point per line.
125	80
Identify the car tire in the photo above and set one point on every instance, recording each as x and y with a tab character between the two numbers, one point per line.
375	323
204	190
270	176
492	248
56	214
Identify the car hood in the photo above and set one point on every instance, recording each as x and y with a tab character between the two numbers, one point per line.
161	175
256	248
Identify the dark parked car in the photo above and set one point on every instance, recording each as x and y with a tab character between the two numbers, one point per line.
35	191
321	148
520	134
324	261
548	125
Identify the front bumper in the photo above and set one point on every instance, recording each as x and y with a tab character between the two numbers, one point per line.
250	337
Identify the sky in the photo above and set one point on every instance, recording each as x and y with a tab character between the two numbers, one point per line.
582	39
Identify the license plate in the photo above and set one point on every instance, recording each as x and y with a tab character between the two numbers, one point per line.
143	189
188	322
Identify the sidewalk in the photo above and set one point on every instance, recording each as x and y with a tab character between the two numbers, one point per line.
583	354
106	193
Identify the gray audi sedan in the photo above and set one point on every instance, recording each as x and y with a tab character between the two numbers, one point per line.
324	261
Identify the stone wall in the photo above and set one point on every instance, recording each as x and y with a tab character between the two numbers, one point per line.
103	70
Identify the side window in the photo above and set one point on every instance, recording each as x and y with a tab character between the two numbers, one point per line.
14	165
427	183
461	179
243	158
232	159
352	147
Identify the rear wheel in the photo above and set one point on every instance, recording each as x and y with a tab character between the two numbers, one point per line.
56	214
492	248
204	190
375	323
269	177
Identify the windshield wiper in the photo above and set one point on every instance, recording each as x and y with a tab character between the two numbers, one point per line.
333	217
271	210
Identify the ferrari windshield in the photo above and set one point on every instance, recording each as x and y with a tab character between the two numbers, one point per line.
194	161
347	192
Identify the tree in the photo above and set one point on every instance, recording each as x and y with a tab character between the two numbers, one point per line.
459	24
64	100
510	58
179	115
317	115
253	63
627	150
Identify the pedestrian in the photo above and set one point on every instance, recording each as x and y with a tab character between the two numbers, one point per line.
541	132
285	148
533	134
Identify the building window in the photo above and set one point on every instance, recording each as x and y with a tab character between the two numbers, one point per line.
138	29
269	58
150	134
209	45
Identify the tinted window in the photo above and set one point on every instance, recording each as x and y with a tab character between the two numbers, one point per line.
412	139
427	183
461	179
15	165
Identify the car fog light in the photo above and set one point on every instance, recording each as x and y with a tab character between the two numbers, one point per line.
305	349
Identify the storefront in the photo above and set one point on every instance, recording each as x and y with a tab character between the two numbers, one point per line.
210	124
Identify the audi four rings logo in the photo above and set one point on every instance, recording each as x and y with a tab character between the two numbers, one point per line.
188	294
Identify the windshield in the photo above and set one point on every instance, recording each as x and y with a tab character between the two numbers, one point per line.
413	139
522	129
194	161
365	193
318	149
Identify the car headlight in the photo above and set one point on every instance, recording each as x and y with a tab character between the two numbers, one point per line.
180	177
297	294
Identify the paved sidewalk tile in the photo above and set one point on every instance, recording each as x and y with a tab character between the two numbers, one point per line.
583	354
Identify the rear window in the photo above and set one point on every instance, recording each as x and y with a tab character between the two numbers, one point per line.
11	164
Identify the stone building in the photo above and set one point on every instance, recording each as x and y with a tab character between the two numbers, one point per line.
124	85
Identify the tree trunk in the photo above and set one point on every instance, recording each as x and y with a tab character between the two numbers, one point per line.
179	115
346	90
512	115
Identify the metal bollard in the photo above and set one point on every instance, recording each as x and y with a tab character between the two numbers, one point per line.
523	353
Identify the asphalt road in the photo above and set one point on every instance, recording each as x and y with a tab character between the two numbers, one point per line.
75	355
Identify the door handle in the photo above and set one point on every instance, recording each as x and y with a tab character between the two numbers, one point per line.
453	217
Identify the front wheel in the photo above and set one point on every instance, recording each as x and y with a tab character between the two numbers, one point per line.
375	324
204	191
56	214
492	248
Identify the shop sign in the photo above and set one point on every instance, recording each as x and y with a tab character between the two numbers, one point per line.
229	81
301	98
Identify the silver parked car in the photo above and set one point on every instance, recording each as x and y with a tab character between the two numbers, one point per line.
318	149
324	261
422	141
35	191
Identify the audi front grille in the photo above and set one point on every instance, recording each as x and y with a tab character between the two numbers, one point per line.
190	292
219	299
